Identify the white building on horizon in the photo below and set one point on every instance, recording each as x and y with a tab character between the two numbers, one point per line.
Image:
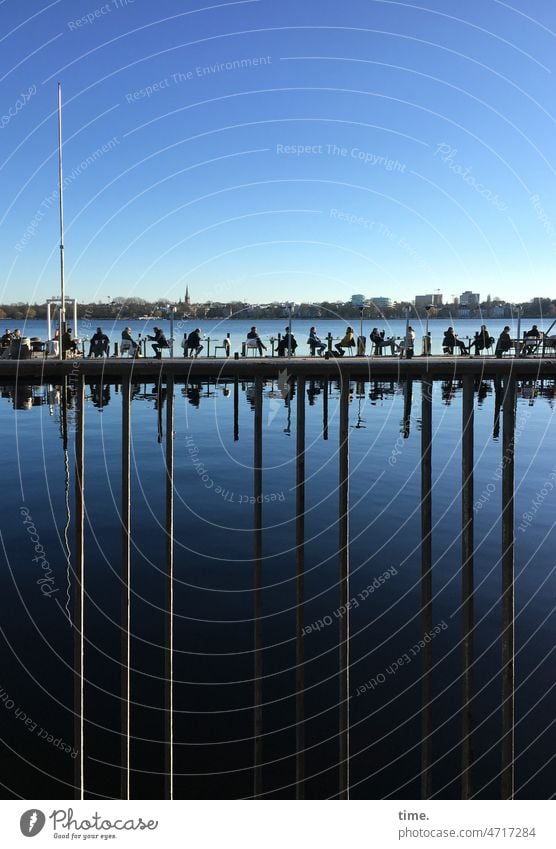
469	299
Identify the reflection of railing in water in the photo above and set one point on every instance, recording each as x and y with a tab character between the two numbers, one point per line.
505	393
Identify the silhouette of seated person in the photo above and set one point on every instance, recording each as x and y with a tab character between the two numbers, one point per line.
253	336
451	341
315	343
531	339
347	342
69	343
16	350
7	340
286	343
98	346
482	340
193	343
159	342
407	344
128	343
380	342
504	342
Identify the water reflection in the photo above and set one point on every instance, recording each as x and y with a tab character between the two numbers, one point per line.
289	726
24	396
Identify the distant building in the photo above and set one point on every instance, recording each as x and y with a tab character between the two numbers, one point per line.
358	300
437	300
187	298
422	301
498	312
381	303
470	299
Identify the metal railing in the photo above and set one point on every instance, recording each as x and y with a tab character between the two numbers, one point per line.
235	371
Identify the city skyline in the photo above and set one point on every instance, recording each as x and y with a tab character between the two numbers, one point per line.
254	152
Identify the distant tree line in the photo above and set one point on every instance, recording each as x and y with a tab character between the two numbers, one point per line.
135	308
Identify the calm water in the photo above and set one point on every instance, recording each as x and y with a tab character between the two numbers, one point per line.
214	659
216	330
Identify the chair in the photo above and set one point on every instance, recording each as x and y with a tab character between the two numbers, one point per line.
451	350
378	347
161	349
350	348
548	343
37	346
225	346
314	347
532	344
251	345
488	348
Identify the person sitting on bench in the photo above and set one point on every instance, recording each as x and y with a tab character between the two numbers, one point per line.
504	342
380	342
128	342
407	344
99	344
482	340
159	342
14	350
531	339
451	341
68	343
194	342
255	336
6	339
347	342
315	344
287	343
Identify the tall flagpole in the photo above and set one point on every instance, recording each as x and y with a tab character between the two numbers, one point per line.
60	184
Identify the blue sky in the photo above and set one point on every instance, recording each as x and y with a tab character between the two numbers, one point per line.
279	151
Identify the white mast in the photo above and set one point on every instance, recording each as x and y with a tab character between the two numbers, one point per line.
60	183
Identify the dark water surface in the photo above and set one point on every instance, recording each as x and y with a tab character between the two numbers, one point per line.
214	599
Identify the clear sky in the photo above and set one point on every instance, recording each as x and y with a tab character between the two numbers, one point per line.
285	150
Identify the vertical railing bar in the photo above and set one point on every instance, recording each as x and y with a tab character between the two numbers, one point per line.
125	687
169	623
159	405
508	600
325	410
343	624
236	409
258	515
300	592
426	583
79	591
467	585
